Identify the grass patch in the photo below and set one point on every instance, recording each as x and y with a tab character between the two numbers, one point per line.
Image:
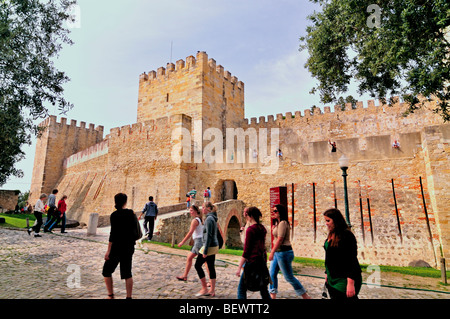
184	247
412	271
17	220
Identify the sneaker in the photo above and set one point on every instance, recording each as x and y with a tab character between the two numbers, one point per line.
37	235
63	232
29	231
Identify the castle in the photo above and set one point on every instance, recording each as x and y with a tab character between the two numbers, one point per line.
399	198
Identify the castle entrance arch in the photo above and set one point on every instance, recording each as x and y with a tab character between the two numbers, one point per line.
233	234
225	190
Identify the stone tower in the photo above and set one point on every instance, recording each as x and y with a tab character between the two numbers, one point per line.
196	87
58	142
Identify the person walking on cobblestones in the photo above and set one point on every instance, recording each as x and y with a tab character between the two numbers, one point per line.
62	208
343	272
208	251
59	215
39	210
254	256
52	214
121	246
282	255
196	231
151	213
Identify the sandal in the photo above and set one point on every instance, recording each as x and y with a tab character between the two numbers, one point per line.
111	296
182	278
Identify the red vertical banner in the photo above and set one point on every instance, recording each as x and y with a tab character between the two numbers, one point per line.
278	195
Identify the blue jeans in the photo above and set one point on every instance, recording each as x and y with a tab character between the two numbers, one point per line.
282	260
242	290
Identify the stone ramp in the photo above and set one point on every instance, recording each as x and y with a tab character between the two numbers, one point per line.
171	223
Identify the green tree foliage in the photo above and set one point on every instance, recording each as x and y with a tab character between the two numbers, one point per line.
23	199
32	33
390	48
349	99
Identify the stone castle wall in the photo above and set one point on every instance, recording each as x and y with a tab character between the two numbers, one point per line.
138	159
135	160
59	141
8	200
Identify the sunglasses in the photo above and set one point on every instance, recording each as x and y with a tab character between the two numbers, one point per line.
275	211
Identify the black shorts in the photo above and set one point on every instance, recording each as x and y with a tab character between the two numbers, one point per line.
124	256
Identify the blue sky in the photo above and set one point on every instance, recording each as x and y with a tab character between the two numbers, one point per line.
257	41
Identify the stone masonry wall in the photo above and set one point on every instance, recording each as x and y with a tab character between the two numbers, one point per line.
374	163
58	142
8	199
138	159
135	160
254	188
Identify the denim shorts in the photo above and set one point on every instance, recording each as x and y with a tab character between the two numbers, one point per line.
198	243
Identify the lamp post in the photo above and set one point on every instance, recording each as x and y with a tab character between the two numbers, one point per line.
344	163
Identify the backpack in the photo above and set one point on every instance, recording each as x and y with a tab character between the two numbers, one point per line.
206	193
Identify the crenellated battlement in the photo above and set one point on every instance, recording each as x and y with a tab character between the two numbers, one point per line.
92	152
59	141
149	126
316	114
196	86
51	121
199	63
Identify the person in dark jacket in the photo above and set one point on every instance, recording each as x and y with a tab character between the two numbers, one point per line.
122	239
254	252
151	213
343	272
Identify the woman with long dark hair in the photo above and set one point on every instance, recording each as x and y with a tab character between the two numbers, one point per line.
343	272
282	255
254	255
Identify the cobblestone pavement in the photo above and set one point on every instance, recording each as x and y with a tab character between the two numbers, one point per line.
68	266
